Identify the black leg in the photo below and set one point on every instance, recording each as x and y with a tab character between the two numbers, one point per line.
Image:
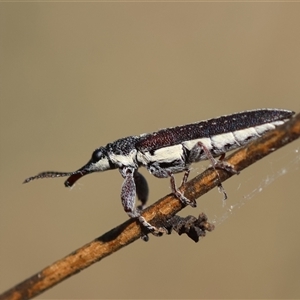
142	189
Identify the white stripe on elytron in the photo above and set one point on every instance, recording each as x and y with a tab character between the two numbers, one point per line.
220	140
165	155
235	139
190	144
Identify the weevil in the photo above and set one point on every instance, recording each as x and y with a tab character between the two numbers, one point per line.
173	150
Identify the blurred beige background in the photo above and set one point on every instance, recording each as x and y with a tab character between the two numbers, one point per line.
75	76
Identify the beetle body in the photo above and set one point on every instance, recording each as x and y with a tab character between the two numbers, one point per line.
173	150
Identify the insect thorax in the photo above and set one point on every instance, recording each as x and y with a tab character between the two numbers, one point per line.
123	152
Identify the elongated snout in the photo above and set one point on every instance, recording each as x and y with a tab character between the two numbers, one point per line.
78	174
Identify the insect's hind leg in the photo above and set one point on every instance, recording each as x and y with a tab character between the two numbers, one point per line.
216	164
223	165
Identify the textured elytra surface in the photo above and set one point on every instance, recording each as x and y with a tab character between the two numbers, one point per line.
209	128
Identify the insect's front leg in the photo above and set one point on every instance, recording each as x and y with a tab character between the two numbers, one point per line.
128	193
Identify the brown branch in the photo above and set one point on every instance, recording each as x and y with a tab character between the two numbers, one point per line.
157	213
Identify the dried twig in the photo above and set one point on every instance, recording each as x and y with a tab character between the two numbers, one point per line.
194	228
159	213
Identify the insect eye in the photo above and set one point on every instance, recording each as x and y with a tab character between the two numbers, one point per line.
97	155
